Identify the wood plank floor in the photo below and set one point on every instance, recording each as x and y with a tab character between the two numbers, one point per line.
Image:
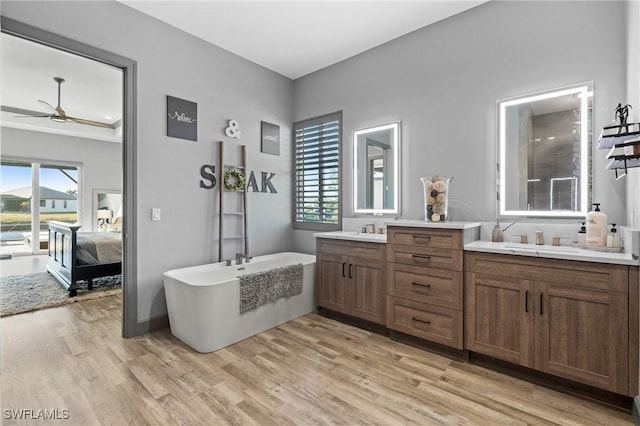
311	371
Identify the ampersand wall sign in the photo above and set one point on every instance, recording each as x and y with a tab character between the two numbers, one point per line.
233	130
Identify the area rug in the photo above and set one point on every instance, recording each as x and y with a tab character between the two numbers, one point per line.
26	293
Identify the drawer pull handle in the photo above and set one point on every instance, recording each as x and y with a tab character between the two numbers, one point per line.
541	302
421	285
422	237
419	320
343	265
526	301
421	258
350	266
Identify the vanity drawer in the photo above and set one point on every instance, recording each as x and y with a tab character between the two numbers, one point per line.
426	257
351	248
596	276
425	237
433	323
439	287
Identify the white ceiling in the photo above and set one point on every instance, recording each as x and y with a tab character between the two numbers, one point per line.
293	38
92	90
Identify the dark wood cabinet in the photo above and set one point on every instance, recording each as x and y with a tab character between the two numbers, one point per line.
350	278
582	334
572	319
499	317
331	282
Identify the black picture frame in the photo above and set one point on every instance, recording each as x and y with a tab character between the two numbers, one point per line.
182	118
270	138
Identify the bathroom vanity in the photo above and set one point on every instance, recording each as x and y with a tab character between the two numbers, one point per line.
566	312
576	320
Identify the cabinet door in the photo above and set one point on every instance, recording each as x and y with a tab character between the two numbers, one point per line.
499	317
330	282
582	335
366	291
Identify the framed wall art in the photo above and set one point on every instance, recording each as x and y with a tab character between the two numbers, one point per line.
182	119
270	136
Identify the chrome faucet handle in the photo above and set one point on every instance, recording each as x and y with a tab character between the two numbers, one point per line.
539	238
523	238
228	262
556	240
238	258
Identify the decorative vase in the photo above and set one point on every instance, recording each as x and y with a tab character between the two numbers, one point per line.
436	198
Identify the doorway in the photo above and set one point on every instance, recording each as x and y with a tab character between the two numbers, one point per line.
127	149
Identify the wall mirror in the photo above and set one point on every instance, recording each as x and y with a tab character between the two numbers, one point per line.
107	209
376	174
544	146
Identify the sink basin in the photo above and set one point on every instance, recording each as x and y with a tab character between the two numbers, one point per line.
354	235
542	249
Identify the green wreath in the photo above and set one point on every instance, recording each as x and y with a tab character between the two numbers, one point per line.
234	180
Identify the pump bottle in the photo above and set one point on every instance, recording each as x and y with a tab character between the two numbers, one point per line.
596	227
582	235
613	240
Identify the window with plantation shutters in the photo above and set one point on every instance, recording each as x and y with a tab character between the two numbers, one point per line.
316	201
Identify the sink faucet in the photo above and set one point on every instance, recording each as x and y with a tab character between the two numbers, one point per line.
539	238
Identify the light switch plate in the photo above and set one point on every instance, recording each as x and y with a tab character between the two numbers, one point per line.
155	214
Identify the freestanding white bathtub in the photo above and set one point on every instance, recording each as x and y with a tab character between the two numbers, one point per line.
203	301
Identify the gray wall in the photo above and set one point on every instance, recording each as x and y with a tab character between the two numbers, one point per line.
225	86
443	81
101	161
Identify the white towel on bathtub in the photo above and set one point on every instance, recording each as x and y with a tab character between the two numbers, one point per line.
264	287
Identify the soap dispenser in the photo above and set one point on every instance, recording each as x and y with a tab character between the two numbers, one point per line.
613	240
496	235
596	227
582	236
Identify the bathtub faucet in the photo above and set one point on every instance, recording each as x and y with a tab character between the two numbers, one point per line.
240	256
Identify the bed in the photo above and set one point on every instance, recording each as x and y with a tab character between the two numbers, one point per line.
82	256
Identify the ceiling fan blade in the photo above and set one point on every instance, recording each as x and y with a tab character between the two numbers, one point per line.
21	112
47	106
90	122
33	116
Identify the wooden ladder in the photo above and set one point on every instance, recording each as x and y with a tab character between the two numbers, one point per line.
242	212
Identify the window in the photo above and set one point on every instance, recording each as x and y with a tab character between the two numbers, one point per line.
316	201
53	204
43	203
64	204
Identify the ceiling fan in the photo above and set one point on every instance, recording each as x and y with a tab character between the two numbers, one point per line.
58	115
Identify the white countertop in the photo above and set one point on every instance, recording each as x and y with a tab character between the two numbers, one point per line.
552	252
441	225
353	236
